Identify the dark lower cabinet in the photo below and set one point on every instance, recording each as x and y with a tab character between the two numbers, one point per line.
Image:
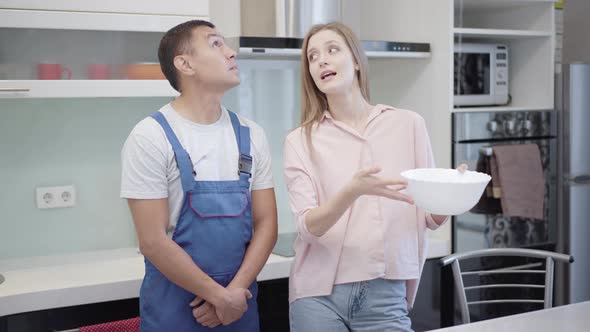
60	319
426	314
273	305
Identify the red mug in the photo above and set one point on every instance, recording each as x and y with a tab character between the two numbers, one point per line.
99	71
52	71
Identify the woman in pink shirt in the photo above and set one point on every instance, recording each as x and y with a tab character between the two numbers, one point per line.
361	242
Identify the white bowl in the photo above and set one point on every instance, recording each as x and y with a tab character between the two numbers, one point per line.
445	191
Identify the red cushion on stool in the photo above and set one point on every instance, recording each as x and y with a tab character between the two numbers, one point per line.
127	325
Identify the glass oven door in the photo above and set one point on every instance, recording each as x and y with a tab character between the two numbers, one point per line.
472	231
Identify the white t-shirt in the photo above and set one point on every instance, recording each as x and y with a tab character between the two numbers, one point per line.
149	170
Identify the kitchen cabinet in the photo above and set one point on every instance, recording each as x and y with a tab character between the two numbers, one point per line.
426	313
527	29
170	7
66	54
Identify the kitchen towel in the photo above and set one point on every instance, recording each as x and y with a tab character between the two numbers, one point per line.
488	204
521	180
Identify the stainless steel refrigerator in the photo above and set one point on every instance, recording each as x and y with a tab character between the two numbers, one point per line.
573	102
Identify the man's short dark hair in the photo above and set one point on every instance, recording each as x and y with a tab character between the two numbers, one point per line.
175	42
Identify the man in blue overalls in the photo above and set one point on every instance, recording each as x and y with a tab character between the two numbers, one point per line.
198	180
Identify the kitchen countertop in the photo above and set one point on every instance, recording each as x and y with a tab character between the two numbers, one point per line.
47	282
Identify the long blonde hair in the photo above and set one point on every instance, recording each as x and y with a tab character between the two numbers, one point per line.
313	101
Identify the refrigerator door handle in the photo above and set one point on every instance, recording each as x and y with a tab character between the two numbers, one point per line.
578	179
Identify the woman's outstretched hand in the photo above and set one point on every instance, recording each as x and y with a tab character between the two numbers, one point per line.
364	182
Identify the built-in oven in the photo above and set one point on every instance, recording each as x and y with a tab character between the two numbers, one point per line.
474	136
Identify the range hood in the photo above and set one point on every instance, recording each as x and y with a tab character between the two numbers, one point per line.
276	28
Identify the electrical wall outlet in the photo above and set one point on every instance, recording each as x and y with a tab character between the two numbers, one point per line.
56	197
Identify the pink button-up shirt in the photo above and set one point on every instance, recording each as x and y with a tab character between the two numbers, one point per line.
376	237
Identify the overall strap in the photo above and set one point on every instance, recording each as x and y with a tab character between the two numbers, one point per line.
243	138
183	160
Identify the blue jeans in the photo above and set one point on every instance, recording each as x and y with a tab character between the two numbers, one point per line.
372	305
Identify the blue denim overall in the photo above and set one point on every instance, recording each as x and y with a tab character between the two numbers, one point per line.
214	228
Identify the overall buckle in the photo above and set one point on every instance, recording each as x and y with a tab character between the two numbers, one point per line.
245	164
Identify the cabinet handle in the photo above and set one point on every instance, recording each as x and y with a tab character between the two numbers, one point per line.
14	90
579	179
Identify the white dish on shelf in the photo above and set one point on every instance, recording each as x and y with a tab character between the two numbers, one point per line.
445	191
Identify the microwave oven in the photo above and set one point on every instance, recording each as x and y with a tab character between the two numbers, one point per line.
480	74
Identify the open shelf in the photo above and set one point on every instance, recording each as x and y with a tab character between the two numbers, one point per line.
499	33
504	14
530	78
498	109
85	88
494	5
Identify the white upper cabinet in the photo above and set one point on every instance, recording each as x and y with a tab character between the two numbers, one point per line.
156	7
64	54
89	21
